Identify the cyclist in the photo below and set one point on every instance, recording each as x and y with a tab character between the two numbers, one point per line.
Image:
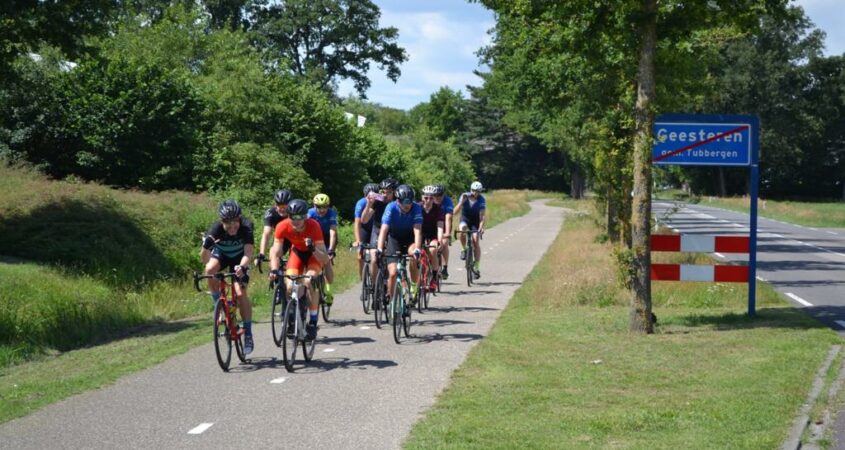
472	207
272	217
375	211
432	226
326	216
308	254
401	230
445	202
364	230
230	243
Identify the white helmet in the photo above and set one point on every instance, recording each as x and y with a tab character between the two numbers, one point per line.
476	186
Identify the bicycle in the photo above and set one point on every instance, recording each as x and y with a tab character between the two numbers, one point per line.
381	314
320	287
366	279
470	253
226	327
279	301
400	310
293	323
429	280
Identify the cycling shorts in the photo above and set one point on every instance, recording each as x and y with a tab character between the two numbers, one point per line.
301	262
228	263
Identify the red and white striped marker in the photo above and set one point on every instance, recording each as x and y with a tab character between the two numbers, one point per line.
699	243
692	272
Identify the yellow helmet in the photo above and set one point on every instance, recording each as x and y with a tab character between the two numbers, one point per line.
321	200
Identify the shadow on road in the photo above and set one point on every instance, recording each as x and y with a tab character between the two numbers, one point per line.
440	323
447	309
324	365
438	337
345	340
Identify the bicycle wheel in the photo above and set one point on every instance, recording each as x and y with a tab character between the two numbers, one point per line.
406	320
279	301
422	284
377	300
396	308
290	336
308	346
239	344
222	342
366	285
470	254
425	296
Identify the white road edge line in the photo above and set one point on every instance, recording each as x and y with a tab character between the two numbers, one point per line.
761	278
841	323
719	254
278	380
831	232
199	429
798	299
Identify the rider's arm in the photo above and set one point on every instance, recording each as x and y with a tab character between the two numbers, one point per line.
265	237
248	251
332	237
356	228
382	236
418	240
481	215
447	226
440	231
460	205
321	253
276	253
205	255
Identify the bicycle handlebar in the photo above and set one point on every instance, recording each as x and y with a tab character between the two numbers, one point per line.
217	276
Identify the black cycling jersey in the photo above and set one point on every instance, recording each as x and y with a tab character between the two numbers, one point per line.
378	212
228	245
272	217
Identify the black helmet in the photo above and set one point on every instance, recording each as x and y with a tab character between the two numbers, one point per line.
389	183
283	197
370	187
297	207
439	189
404	192
229	210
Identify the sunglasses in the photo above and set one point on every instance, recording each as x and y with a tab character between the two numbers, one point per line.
297	217
322	207
230	222
406	201
427	197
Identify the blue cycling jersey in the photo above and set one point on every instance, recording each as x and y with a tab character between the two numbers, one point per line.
325	221
359	211
401	224
470	213
447	205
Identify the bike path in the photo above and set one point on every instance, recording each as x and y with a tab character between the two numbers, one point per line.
361	391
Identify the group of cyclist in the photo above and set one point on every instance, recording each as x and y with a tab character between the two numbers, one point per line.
388	221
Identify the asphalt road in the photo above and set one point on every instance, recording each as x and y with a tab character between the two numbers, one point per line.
361	391
805	264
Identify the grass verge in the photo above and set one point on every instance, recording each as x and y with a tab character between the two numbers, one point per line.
70	332
561	370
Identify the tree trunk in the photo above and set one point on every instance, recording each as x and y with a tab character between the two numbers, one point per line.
640	314
576	184
723	191
612	215
843	190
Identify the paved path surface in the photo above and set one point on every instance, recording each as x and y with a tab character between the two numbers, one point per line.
362	391
805	264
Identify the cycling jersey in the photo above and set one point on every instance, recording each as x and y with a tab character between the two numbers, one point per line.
402	224
447	205
230	246
471	211
430	219
325	221
359	212
272	217
284	230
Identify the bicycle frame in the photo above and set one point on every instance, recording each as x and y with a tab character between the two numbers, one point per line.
290	340
470	253
233	333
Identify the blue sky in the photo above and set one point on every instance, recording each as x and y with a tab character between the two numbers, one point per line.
442	36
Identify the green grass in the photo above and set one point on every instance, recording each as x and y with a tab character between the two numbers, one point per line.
76	326
812	214
561	370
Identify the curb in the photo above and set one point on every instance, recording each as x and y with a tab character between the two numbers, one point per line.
793	442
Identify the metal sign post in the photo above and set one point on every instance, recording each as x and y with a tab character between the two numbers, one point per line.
715	140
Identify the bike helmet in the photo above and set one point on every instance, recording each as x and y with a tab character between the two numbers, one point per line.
476	186
404	193
229	210
297	207
430	190
321	200
439	189
283	197
370	187
389	183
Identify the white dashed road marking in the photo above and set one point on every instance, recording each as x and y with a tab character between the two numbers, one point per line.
199	429
798	299
365	327
278	380
328	350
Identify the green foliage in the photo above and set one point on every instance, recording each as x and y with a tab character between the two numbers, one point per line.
444	114
388	121
323	40
251	173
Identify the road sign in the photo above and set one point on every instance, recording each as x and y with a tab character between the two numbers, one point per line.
714	140
705	140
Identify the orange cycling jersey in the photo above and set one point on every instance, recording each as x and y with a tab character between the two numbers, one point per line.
284	230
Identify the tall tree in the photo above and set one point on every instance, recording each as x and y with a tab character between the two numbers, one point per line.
325	40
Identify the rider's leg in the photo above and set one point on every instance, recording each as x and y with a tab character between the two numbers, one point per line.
211	268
